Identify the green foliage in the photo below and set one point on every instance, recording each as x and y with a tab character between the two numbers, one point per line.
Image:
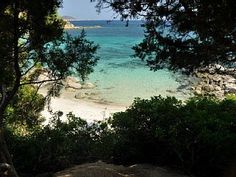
27	25
53	147
144	128
182	34
24	113
197	136
33	35
69	55
231	97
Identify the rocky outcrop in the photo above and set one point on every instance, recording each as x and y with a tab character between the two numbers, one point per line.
72	83
217	81
80	95
100	169
69	25
88	86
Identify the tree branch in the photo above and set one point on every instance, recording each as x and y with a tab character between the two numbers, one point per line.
3	95
40	82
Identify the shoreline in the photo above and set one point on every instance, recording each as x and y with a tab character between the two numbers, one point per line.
70	26
82	27
89	110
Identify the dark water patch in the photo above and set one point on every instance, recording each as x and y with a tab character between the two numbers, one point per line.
103	71
129	64
108	88
103	102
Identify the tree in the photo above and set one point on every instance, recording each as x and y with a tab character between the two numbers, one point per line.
32	38
182	34
23	115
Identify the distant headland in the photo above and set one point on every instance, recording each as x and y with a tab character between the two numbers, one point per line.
70	26
69	18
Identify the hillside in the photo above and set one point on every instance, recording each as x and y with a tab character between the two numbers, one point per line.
68	18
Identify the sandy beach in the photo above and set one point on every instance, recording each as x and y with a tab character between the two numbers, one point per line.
90	110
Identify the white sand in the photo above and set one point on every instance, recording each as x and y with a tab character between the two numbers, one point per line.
85	109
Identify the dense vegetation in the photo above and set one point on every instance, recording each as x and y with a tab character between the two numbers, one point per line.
197	137
32	38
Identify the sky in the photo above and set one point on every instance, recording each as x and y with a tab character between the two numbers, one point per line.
84	10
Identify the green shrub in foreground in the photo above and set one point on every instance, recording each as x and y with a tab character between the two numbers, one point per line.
54	147
198	136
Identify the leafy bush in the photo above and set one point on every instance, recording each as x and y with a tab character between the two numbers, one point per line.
197	136
53	147
24	113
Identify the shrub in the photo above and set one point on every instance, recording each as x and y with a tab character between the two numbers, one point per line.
53	147
198	136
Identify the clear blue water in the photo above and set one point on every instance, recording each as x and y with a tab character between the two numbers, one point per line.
118	76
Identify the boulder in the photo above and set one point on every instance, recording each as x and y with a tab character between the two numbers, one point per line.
73	85
217	88
88	86
69	89
208	88
71	79
198	90
170	91
72	82
80	95
216	78
230	88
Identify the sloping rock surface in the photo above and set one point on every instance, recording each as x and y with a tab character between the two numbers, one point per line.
100	169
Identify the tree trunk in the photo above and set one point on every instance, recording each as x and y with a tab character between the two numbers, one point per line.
6	163
6	169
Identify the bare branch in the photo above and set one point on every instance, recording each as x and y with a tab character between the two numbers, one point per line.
40	82
30	68
3	95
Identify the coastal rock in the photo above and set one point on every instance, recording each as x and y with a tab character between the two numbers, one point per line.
230	88
88	86
69	25
80	95
68	89
230	80
170	91
43	75
102	169
219	67
217	88
73	83
208	88
215	80
71	79
198	92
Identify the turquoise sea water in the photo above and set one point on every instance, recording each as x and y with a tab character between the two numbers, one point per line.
118	76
